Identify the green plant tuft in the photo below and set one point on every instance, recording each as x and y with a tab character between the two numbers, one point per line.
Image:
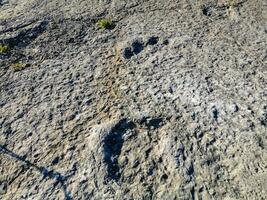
3	49
18	66
105	24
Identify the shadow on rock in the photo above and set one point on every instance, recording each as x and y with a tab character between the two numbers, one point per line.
45	172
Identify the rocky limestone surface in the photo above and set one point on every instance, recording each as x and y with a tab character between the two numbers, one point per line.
168	103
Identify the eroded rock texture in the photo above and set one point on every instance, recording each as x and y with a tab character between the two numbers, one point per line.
169	103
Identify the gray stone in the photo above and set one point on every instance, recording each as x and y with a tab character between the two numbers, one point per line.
169	103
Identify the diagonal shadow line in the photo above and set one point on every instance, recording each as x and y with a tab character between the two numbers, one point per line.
46	173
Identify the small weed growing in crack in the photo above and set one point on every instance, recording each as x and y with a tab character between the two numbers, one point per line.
18	66
105	24
3	49
230	4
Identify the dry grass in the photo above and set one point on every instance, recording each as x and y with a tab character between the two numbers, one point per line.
3	48
18	66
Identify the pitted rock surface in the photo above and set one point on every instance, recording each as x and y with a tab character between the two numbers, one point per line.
171	103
